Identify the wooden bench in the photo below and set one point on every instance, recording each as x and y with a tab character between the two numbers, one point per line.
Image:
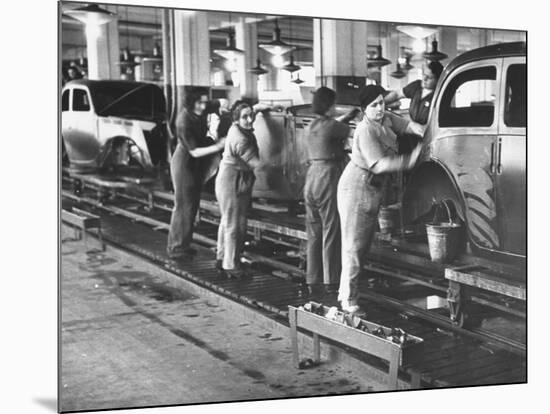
396	354
83	221
478	277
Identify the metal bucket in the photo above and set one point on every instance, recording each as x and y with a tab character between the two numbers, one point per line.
388	219
444	239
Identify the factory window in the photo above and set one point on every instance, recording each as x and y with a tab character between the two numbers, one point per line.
515	112
65	101
81	101
469	100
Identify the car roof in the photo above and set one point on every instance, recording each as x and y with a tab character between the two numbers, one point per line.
488	52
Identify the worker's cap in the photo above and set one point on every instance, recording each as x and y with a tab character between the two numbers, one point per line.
369	93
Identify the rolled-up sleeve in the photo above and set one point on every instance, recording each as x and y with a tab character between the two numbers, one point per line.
398	124
370	146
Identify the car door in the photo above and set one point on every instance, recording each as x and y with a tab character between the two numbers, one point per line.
80	129
464	142
511	158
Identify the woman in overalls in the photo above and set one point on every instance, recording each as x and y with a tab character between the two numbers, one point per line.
188	167
234	188
362	184
325	144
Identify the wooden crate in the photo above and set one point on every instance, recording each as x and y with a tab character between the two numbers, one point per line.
395	353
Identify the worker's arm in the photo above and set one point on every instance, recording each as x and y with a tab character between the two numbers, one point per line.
393	163
415	128
347	116
394	96
200	152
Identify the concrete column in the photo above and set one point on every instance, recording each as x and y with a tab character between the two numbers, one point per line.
192	48
339	52
103	50
246	39
448	43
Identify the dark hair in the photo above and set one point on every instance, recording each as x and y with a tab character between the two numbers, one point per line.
237	107
323	99
191	97
369	93
436	68
213	107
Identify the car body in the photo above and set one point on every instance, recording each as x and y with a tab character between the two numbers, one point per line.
474	151
109	124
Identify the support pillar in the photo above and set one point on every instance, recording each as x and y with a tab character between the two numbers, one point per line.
339	55
448	43
102	47
246	39
191	51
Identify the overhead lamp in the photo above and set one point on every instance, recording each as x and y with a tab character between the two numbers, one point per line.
277	46
297	81
229	51
258	69
418	46
277	61
127	60
398	73
418	32
407	65
434	54
91	14
291	66
378	60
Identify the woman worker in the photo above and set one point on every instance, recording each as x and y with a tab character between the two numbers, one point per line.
234	188
187	167
362	184
421	93
325	143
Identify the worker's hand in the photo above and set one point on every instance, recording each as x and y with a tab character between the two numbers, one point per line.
417	129
414	156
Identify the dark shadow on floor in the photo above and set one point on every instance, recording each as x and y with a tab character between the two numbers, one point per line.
49	403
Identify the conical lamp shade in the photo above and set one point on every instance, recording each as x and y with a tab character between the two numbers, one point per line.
407	66
91	14
297	81
398	73
379	60
277	46
258	69
229	51
435	54
291	66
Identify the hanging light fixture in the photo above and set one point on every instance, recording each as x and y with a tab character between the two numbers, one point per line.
378	60
405	61
277	46
417	32
258	69
91	14
229	51
297	81
434	54
398	73
127	62
291	66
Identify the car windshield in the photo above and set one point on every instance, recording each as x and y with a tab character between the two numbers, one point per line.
128	100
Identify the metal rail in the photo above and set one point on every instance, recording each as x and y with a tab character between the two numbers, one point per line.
431	317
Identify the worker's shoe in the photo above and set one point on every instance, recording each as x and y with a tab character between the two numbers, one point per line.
331	288
315	291
353	308
236	274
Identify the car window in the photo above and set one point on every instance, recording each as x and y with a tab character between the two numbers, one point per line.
515	110
469	99
65	100
81	101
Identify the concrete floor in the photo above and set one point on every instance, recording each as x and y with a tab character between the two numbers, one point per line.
128	339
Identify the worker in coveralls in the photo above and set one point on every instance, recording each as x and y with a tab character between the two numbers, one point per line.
325	144
362	184
421	93
234	188
189	167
